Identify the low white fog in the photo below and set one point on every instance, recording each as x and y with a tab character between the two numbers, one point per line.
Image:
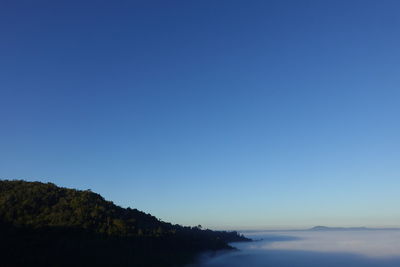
361	248
369	243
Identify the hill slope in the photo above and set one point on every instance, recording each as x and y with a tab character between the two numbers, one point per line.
49	225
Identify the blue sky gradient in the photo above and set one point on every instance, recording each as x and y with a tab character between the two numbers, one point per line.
229	114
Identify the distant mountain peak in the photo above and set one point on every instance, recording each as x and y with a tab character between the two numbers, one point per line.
326	228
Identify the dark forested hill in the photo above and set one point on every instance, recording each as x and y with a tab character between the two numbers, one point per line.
49	225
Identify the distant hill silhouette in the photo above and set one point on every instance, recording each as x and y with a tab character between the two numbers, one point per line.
43	224
326	228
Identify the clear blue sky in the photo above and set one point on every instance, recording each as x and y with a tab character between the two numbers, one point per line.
229	114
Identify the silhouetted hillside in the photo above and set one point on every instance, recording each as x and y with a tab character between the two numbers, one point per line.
49	225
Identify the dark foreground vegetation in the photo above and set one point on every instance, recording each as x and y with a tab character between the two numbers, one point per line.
45	225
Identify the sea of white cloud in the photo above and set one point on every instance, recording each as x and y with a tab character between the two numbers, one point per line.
371	243
362	248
